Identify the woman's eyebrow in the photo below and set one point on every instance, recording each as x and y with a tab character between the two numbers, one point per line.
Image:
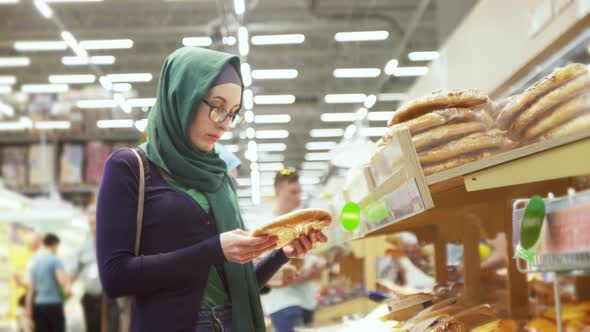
220	97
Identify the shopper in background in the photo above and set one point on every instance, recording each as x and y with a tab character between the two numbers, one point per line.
232	162
94	301
22	278
291	303
194	272
48	289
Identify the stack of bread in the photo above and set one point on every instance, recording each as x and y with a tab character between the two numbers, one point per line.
558	105
450	128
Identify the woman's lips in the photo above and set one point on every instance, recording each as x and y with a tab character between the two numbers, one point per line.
214	137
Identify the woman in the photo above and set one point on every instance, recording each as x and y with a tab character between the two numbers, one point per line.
194	271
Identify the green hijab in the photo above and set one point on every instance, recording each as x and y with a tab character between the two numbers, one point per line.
186	77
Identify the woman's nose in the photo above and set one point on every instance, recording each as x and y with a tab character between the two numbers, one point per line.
225	124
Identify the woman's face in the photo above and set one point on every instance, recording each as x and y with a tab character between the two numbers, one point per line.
204	133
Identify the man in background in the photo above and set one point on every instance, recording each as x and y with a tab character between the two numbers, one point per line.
48	289
291	303
21	278
95	304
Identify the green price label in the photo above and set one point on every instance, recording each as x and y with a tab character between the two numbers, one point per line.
376	211
350	217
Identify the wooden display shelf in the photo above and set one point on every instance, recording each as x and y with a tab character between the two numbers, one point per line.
474	201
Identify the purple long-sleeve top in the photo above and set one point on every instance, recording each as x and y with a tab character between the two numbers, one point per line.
179	244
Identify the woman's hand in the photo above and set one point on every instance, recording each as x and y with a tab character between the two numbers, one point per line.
298	248
239	247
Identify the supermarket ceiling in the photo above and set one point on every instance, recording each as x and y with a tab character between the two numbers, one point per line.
315	57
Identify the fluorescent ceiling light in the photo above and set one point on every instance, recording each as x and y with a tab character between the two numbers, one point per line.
391	96
361	36
126	78
8	2
43	8
315	146
244	192
374	131
270	166
106	44
248	99
274	118
115	123
122	87
239	7
356	72
141	102
271	147
390	66
250	133
243	43
271	158
336	132
338	117
5	89
271	134
229	40
274	99
197	41
317	173
6	109
309	180
44	88
96	103
423	56
11	125
314	166
141	125
274	74
52	125
246	74
227	136
278	39
370	101
64	1
7	80
410	71
15	61
249	116
380	116
72	79
73	44
345	98
350	131
243	182
361	114
318	156
95	60
40	45
105	82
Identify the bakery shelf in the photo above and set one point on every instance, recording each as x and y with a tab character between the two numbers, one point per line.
477	197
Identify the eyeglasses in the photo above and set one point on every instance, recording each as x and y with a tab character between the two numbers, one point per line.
219	114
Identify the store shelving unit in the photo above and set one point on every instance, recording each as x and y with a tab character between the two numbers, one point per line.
478	196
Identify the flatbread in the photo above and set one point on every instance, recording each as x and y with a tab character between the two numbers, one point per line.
446	116
456	162
438	100
493	139
548	83
443	134
548	101
562	113
579	124
292	225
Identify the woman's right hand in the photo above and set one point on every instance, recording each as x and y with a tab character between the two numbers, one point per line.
239	247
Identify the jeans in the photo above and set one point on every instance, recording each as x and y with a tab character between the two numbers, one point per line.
216	320
49	318
287	319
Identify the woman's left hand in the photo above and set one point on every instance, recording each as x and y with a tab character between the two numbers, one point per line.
305	243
